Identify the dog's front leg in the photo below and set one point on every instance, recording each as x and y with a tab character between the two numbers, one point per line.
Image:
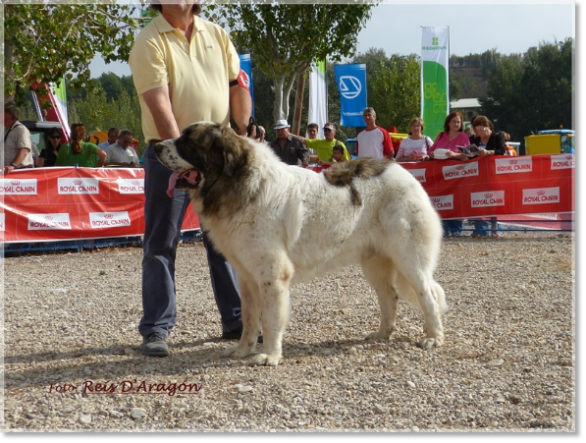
274	302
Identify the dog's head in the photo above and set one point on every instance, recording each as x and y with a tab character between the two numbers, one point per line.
211	150
219	156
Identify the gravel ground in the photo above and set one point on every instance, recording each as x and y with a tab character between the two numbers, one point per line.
507	365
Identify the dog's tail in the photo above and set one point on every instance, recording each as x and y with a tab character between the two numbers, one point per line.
407	293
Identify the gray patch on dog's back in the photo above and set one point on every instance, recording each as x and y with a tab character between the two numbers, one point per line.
343	174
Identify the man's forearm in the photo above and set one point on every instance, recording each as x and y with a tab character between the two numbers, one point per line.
159	104
240	107
20	156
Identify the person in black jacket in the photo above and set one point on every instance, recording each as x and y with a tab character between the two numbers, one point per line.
489	142
288	148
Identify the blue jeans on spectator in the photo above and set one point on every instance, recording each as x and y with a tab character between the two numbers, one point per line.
481	228
163	219
452	227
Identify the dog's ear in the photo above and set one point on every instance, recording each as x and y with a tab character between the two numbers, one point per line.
228	144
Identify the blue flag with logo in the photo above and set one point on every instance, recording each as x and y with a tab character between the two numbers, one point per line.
351	81
246	66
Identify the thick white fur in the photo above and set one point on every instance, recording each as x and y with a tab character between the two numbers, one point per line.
302	226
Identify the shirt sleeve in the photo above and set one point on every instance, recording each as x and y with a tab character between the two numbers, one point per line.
147	63
232	56
388	149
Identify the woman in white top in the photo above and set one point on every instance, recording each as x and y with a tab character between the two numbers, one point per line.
414	148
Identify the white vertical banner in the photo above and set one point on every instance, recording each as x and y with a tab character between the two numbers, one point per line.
435	78
318	96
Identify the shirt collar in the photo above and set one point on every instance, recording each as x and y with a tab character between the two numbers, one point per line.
164	26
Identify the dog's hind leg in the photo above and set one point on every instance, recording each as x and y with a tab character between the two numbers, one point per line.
274	302
250	312
431	300
379	271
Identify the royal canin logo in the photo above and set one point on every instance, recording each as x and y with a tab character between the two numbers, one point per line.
569	157
460	168
541	192
488	195
108	215
77	182
435	199
48	217
15	182
136	183
513	162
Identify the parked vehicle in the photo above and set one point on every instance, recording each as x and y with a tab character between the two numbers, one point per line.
550	141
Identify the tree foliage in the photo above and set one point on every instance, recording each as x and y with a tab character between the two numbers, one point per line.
285	38
532	92
45	42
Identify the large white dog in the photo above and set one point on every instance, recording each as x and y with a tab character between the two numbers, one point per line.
279	224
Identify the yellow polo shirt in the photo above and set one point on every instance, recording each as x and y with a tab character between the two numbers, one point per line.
198	72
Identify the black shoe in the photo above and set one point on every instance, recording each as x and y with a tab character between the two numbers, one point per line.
236	334
155	344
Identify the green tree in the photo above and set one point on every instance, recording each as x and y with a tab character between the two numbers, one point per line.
284	39
532	92
45	42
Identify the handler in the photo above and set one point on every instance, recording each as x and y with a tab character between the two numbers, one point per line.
185	69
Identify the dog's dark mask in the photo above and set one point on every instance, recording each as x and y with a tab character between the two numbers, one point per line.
212	150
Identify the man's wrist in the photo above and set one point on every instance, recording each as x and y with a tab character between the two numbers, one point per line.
12	164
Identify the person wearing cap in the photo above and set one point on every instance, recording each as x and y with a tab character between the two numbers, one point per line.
374	141
288	148
325	147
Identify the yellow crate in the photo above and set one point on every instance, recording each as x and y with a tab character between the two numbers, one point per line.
543	144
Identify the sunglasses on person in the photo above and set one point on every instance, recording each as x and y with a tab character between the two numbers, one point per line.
55	137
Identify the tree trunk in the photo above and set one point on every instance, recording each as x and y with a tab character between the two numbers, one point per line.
296	126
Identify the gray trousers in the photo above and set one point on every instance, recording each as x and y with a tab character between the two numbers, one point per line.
163	219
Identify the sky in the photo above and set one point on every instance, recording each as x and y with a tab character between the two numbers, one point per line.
507	26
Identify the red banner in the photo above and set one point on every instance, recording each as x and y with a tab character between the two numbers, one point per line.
498	185
51	204
55	204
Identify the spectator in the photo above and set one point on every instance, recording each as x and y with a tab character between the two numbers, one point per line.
450	138
374	141
325	147
80	153
509	149
337	156
414	148
122	153
113	135
469	131
312	132
489	143
203	86
288	148
18	152
48	155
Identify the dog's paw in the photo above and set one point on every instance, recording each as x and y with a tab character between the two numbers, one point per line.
236	352
266	360
432	342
